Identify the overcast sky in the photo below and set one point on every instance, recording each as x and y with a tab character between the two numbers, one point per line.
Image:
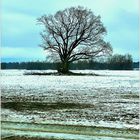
20	32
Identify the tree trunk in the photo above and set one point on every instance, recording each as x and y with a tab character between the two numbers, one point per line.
63	67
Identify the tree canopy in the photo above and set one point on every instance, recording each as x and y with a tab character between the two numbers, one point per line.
73	34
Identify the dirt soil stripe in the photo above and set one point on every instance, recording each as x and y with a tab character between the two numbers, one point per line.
71	129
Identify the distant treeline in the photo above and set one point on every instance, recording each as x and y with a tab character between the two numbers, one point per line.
116	62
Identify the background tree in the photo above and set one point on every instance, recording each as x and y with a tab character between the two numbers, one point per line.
73	34
120	62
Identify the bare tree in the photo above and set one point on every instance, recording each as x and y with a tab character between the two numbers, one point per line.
74	34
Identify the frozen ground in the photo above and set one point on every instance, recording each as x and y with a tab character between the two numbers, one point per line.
108	100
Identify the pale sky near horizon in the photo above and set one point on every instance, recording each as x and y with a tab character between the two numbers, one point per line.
20	32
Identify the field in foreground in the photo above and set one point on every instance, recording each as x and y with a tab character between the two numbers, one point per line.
70	107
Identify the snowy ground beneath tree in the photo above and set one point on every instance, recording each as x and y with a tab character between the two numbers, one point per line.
108	100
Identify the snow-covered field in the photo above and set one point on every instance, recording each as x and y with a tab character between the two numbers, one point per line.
108	100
